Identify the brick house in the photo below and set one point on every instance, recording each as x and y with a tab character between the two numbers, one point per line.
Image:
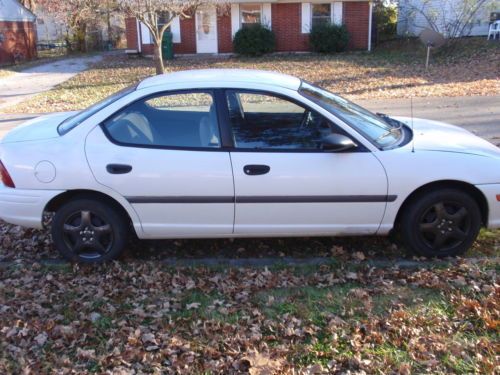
211	30
17	32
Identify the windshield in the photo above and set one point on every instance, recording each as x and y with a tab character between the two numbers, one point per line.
72	122
377	129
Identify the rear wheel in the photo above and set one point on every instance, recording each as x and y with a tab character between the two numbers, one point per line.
441	223
89	231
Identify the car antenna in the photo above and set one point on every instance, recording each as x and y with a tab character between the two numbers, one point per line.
412	131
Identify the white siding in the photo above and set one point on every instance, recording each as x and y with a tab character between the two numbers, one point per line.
11	10
411	21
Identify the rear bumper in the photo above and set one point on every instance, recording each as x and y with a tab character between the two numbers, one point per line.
24	207
490	192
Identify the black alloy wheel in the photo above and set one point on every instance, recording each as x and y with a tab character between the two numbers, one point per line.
89	231
441	223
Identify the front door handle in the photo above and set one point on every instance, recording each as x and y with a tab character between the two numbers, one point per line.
256	170
118	168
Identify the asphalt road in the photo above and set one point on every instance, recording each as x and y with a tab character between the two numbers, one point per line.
480	115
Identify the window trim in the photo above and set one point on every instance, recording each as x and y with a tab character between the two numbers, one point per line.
331	12
210	91
232	148
240	15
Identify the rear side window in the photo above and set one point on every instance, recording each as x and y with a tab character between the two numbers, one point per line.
186	119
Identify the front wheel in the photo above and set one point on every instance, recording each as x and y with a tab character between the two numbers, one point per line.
441	223
89	231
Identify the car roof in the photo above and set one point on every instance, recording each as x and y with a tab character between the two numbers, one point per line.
223	77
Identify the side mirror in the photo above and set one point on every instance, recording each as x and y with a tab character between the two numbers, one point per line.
337	142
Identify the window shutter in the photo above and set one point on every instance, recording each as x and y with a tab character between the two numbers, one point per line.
145	34
266	15
235	18
337	13
306	18
175	28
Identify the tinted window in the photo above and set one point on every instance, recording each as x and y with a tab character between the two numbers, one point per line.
169	120
264	121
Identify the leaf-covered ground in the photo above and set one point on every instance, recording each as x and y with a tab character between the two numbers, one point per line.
471	68
139	315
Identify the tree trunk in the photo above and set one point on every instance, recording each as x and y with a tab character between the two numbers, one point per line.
80	34
160	69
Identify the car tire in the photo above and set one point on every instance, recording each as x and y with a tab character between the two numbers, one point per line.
89	231
441	223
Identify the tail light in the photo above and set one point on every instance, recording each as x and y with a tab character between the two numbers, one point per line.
5	176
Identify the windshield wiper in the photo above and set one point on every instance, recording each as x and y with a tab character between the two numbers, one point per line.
396	127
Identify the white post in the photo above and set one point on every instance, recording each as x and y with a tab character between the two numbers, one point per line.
370	27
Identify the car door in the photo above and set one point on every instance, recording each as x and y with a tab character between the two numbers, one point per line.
163	154
286	184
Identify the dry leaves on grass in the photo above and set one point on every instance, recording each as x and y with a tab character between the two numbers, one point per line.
380	75
138	317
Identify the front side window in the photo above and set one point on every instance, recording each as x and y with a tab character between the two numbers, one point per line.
250	14
264	121
321	14
167	120
375	128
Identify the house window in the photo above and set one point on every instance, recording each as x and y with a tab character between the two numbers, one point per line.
321	14
163	18
250	14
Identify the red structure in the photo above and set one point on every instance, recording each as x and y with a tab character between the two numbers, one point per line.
17	33
212	31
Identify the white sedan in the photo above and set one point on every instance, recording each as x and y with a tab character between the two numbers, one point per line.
240	153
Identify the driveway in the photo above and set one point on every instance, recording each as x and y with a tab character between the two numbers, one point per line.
480	115
23	85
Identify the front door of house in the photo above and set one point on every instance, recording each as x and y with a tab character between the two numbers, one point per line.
206	30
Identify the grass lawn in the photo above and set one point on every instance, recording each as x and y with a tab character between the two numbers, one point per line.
139	315
144	317
396	70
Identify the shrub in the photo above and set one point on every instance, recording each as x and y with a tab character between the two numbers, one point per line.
386	18
328	38
254	40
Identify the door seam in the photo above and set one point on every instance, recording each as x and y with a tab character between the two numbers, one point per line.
234	192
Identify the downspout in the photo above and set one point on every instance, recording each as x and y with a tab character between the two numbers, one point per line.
139	36
370	16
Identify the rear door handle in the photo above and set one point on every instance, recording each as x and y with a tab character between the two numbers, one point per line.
256	170
118	168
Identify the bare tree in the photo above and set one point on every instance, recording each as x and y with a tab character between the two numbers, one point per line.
147	11
452	18
76	14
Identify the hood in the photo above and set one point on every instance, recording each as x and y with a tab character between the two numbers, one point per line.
438	136
39	128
